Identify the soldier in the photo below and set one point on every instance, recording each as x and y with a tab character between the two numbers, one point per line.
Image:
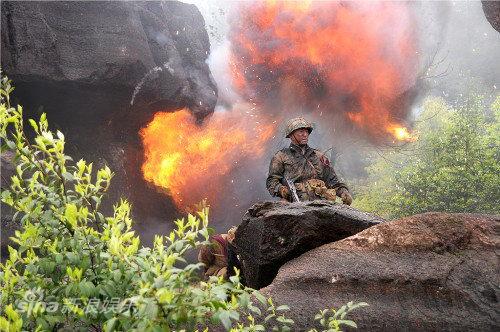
220	257
308	168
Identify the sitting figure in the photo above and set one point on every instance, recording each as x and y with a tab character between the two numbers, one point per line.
219	257
307	168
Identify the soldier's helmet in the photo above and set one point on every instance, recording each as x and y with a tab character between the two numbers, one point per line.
297	123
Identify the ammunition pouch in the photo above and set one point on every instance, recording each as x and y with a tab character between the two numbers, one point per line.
315	189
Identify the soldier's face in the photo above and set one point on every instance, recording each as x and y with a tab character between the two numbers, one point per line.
300	136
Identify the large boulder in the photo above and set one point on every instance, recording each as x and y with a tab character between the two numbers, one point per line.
428	272
118	51
100	70
492	12
272	233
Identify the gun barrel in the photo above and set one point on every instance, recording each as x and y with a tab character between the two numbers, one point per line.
293	190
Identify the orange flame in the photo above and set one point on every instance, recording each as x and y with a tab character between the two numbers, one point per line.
355	59
364	53
189	160
402	134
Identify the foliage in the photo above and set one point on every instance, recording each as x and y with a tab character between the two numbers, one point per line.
452	167
332	319
76	268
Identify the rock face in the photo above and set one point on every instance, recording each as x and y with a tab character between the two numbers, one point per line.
492	12
111	46
272	233
100	70
428	272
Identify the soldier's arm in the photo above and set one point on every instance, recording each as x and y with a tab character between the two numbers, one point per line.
276	174
330	177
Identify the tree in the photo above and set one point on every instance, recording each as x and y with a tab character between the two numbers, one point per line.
453	166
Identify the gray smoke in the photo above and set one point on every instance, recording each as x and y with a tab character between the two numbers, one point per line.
462	48
459	53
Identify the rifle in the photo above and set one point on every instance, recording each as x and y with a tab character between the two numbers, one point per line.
291	186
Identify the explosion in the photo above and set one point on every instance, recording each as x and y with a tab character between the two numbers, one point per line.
189	160
357	59
402	134
335	62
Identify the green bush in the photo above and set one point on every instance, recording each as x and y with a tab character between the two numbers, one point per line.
454	166
332	319
76	269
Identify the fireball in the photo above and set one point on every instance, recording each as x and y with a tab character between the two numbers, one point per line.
189	161
402	134
358	59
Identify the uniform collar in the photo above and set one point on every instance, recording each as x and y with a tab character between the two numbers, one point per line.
298	149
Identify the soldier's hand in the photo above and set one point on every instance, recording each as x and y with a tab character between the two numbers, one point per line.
346	197
284	192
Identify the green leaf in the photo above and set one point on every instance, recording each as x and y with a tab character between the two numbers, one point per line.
244	300
72	257
87	288
81	166
283	308
164	296
110	324
58	258
68	176
47	266
151	310
234	315
43	118
348	323
33	124
268	317
255	310
11	144
117	275
259	297
71	213
12	315
225	320
7	197
12	254
361	304
284	320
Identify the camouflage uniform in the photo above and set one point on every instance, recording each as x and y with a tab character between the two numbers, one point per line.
220	256
214	256
301	165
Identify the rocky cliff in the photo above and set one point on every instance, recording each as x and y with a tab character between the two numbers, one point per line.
100	70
